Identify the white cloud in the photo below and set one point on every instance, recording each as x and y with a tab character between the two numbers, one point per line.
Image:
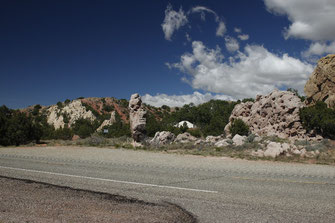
232	44
243	37
180	100
254	71
220	31
202	9
310	19
319	48
237	30
173	21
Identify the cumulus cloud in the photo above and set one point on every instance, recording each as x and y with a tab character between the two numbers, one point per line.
180	100
319	48
243	37
173	21
237	30
220	31
251	72
310	19
232	44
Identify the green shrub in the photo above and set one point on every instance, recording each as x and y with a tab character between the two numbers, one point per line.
195	132
36	110
165	107
239	127
83	127
63	133
107	108
320	119
17	128
248	99
60	105
67	101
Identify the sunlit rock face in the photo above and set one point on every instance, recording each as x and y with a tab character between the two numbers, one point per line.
137	118
321	84
72	111
274	114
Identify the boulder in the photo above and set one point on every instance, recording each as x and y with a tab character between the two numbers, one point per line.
239	140
274	149
222	143
321	84
163	138
137	118
214	139
185	138
273	114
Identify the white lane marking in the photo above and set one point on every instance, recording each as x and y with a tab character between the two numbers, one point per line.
109	180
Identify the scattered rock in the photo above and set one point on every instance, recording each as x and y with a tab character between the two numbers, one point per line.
185	138
321	84
239	140
274	114
296	151
274	149
163	138
214	139
137	118
303	153
222	143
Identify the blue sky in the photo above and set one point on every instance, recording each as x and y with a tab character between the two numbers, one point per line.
171	52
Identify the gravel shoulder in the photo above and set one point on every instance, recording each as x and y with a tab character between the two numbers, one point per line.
30	201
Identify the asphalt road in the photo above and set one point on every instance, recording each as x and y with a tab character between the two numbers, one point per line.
213	189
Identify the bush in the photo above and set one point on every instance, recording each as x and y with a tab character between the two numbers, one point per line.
60	105
36	110
320	119
239	127
108	108
17	128
83	127
63	133
195	132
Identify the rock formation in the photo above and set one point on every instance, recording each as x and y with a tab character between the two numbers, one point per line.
274	114
107	122
321	84
137	118
72	111
162	138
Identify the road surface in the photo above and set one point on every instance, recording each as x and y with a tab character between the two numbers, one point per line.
213	189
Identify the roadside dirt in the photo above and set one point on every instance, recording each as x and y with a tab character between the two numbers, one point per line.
29	201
